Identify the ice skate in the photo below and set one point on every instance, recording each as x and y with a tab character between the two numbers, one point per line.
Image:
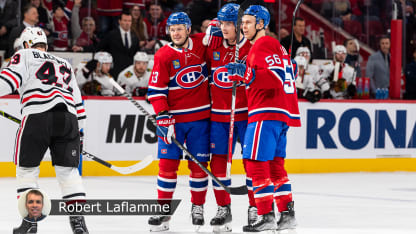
222	220
287	218
251	215
78	224
197	215
159	223
26	227
265	223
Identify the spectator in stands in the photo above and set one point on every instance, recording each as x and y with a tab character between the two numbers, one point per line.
121	43
283	33
7	22
44	19
353	55
87	41
93	78
378	66
135	78
298	36
156	22
200	10
108	13
61	14
30	19
410	72
138	26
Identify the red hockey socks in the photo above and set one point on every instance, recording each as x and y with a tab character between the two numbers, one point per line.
218	168
249	184
282	185
198	181
166	180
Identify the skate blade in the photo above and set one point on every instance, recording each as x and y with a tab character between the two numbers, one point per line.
265	232
159	228
197	227
222	228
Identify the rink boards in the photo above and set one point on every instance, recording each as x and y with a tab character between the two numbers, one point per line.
336	136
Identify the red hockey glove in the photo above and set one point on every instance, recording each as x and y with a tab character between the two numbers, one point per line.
213	34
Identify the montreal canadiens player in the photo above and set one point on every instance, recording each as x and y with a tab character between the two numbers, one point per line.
53	113
272	108
221	90
178	91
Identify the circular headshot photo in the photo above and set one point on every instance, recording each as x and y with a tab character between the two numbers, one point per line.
34	205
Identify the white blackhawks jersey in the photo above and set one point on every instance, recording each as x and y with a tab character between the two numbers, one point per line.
130	82
43	81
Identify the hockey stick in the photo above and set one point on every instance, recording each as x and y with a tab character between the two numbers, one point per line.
234	90
293	24
122	170
231	190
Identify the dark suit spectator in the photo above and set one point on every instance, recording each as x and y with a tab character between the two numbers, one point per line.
378	66
7	22
121	43
299	37
411	78
30	19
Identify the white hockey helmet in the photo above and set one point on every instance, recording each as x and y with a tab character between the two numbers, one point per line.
32	36
340	49
18	44
301	61
103	57
141	57
301	50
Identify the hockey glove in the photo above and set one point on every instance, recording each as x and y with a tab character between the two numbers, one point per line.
81	140
213	35
166	127
89	68
236	71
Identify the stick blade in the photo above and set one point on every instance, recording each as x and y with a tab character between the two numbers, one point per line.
134	168
241	190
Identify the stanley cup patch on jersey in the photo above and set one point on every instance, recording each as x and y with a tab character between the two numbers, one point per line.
176	64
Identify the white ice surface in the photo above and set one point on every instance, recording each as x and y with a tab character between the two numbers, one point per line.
353	203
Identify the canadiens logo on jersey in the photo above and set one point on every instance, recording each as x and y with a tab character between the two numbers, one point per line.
220	78
191	76
176	64
216	55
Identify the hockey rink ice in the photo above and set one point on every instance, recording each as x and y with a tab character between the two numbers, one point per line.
341	203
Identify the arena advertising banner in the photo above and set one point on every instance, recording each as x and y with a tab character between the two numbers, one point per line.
117	131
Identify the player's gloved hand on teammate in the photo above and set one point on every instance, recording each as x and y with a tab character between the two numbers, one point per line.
213	35
166	129
89	68
81	138
236	71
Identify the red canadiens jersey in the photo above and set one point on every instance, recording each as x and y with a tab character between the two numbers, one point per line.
61	33
179	81
221	86
157	30
109	8
270	83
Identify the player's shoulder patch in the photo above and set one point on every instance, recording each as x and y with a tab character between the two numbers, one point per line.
176	64
216	55
128	74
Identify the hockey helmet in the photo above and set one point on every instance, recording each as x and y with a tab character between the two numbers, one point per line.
141	57
229	12
32	36
103	57
178	18
302	50
340	49
18	44
260	12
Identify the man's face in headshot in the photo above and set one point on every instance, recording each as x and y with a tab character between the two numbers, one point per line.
34	205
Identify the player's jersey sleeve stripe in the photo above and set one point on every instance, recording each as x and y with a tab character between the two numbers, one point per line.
15	73
82	117
11	77
8	82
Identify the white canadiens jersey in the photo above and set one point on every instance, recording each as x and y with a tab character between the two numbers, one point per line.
42	81
130	82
